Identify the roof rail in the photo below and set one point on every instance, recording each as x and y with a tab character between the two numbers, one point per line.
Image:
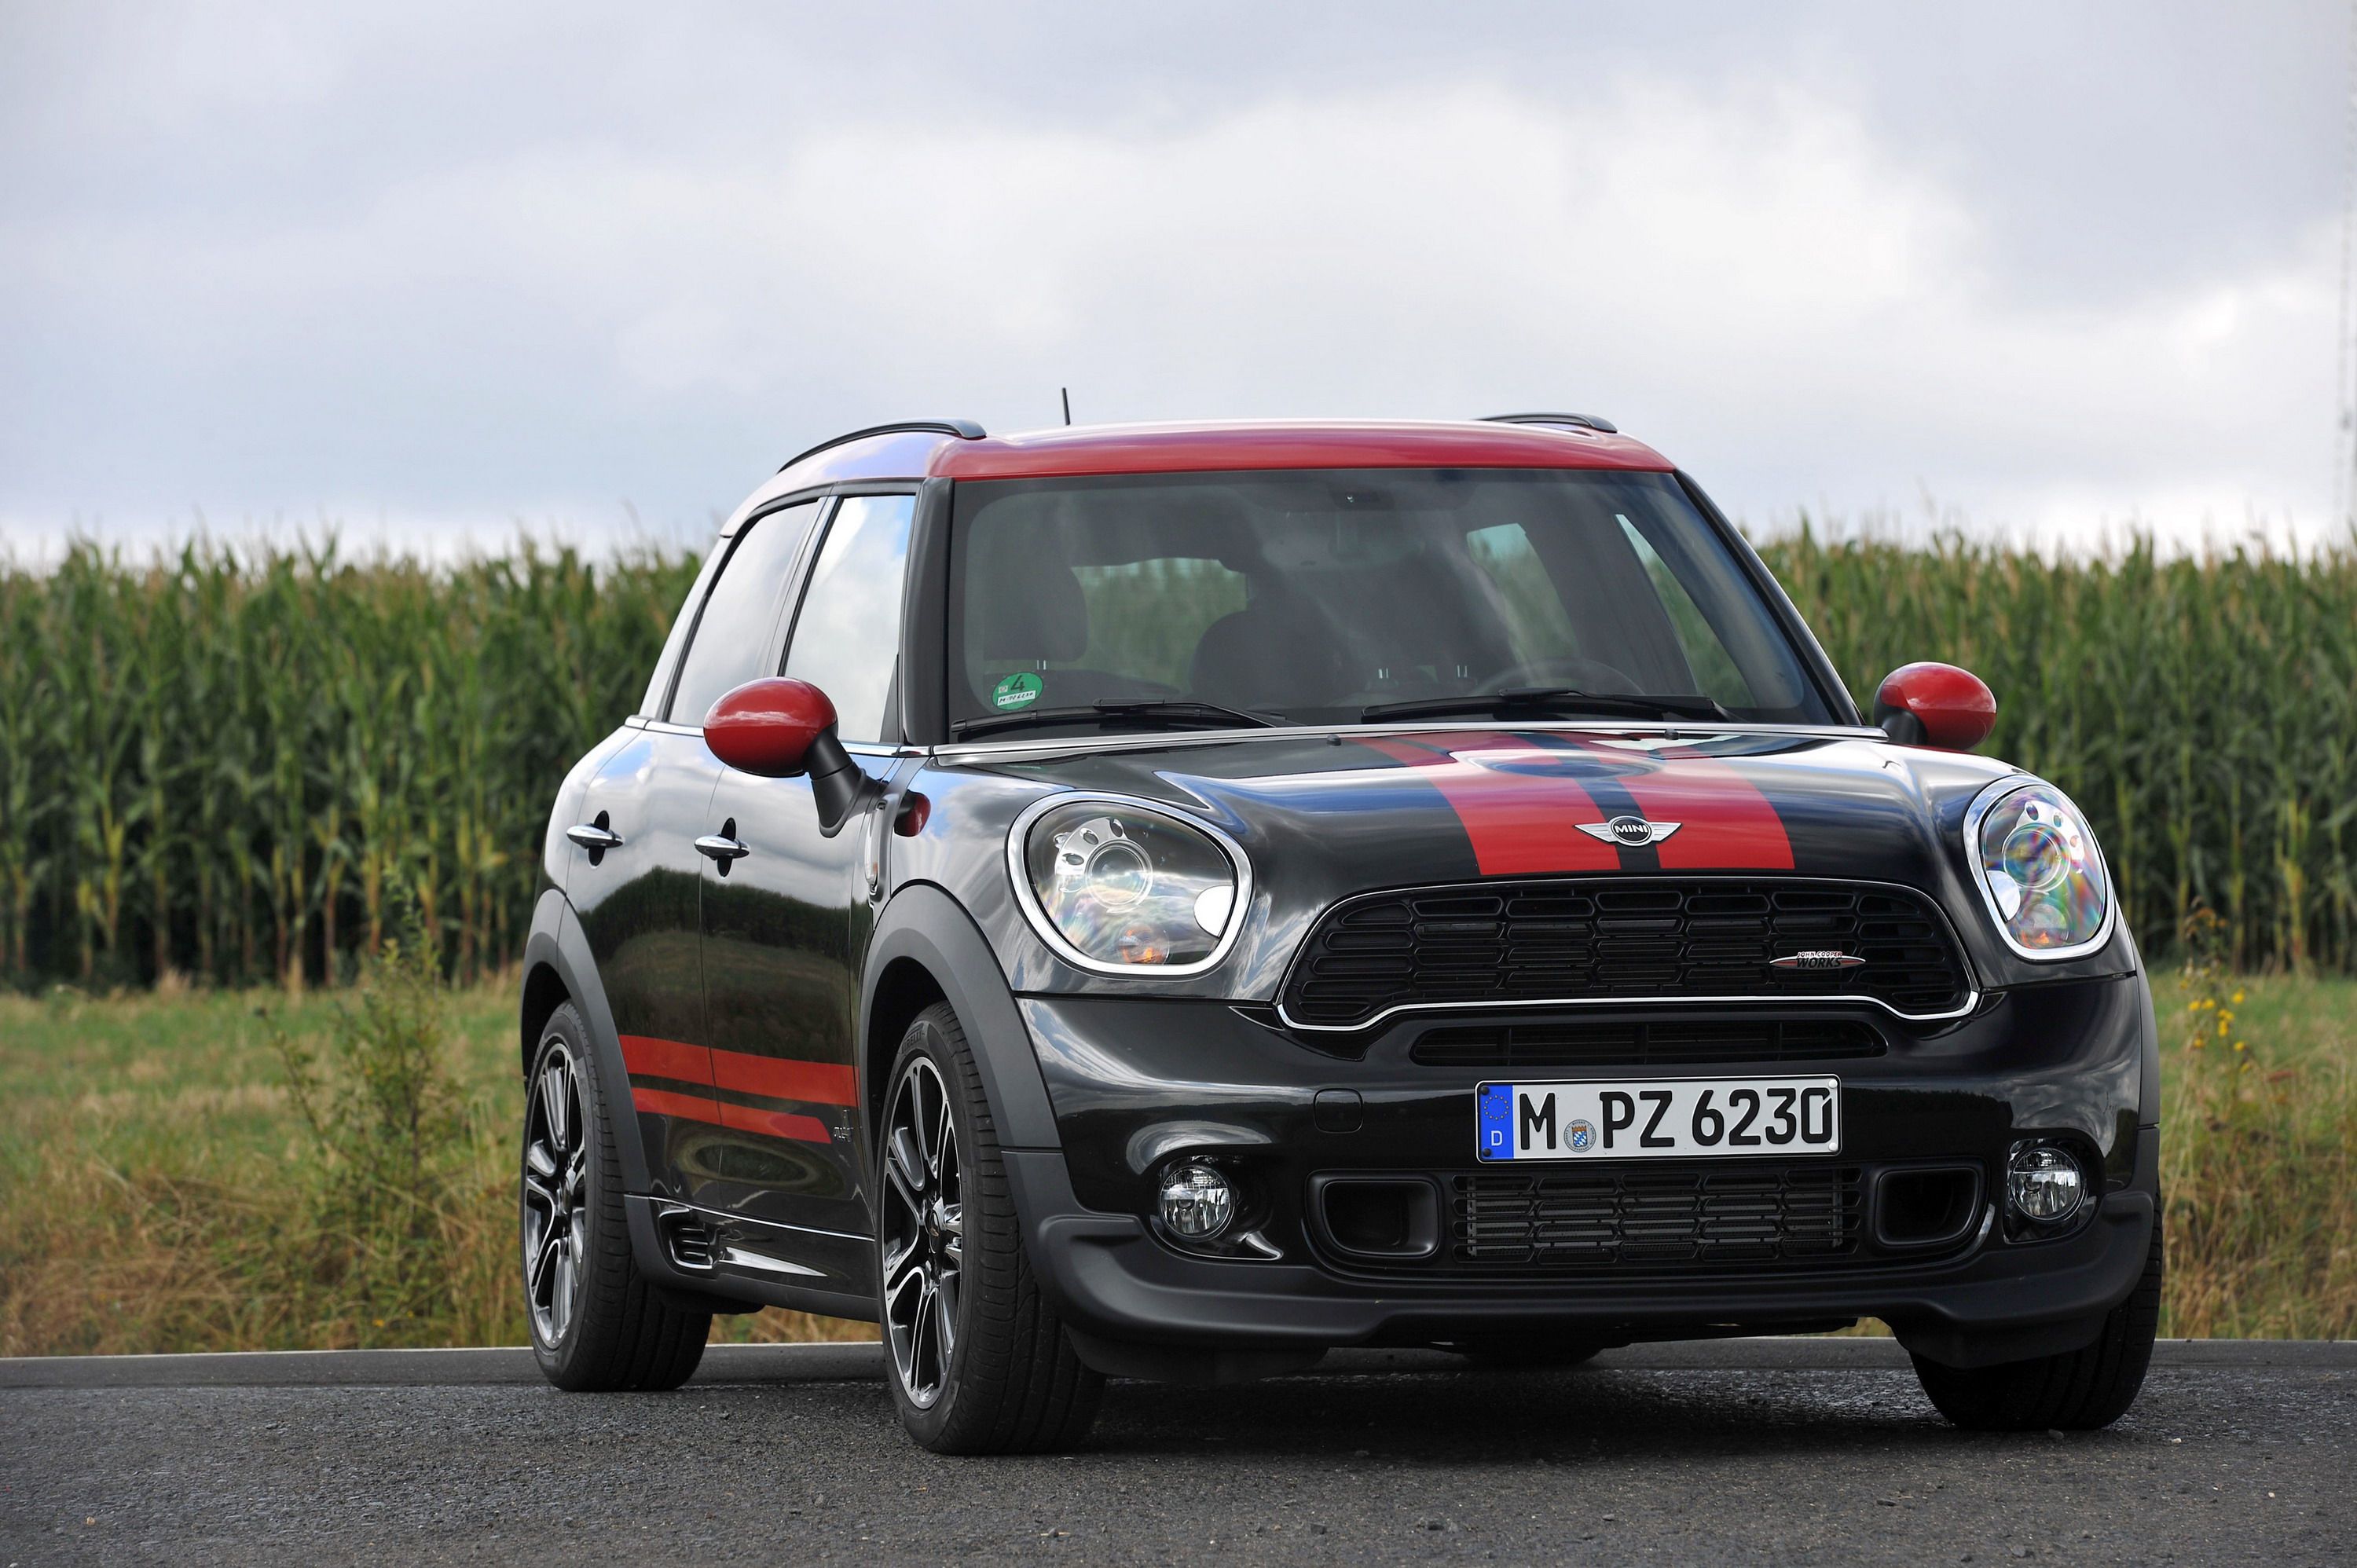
1585	421
965	429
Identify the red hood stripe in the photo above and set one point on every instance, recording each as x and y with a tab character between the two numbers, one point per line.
1725	822
1525	824
1519	825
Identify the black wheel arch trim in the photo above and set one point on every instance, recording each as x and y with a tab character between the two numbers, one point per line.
555	945
923	925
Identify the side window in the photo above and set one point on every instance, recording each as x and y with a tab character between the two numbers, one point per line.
658	683
733	633
846	640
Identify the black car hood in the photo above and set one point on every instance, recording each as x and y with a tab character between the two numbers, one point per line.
1325	817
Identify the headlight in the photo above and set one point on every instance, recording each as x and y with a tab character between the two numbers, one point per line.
1121	887
2038	869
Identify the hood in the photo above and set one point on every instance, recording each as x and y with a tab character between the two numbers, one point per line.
1388	809
1324	817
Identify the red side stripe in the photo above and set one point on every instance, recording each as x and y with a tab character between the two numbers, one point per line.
1519	823
663	1102
646	1057
1725	822
738	1118
776	1124
812	1083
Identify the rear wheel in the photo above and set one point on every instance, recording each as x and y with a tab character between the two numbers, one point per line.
595	1323
2078	1391
977	1361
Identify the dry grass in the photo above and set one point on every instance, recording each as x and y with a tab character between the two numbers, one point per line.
157	1183
154	1195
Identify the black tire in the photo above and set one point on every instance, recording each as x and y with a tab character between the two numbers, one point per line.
1530	1351
949	1250
611	1329
2078	1391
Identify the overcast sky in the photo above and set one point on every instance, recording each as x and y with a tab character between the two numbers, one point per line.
431	271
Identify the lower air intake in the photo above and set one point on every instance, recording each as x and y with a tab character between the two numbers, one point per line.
1657	1216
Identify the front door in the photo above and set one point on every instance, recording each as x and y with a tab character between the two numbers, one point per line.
639	903
785	921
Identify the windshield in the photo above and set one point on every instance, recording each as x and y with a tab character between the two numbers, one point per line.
1320	597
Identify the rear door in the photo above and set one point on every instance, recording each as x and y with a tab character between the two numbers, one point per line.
783	923
638	897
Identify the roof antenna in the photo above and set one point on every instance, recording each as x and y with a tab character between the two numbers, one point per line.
1067	404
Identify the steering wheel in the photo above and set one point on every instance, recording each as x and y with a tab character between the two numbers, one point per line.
1587	674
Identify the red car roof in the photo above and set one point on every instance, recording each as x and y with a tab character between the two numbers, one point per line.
1285	443
1216	448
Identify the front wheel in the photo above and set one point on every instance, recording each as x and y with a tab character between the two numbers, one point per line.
978	1360
2078	1391
596	1323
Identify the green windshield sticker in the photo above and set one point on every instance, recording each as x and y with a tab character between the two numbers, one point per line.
1019	689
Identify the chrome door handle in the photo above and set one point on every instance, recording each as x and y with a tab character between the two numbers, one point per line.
714	846
589	835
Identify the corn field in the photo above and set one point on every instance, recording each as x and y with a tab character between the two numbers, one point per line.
2202	712
220	767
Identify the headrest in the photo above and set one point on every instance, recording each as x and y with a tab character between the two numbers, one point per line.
1029	609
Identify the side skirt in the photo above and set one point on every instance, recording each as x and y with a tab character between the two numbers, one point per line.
752	1263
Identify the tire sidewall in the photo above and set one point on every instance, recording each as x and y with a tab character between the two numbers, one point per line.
926	1038
564	1027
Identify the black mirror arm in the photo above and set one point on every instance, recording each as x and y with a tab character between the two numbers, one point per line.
1900	726
837	786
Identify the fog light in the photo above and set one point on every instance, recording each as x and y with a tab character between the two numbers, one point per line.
1196	1201
2045	1183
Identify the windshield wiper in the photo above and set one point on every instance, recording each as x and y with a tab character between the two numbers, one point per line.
1147	712
1555	699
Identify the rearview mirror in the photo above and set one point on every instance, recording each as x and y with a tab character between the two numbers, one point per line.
778	727
1935	704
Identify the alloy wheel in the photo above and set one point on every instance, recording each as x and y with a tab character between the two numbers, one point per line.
924	1232
555	1194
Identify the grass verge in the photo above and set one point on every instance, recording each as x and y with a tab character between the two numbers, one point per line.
161	1189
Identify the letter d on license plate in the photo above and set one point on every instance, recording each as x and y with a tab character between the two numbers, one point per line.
1658	1118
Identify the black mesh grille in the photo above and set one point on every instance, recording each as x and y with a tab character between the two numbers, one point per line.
1647	1043
1621	938
1656	1214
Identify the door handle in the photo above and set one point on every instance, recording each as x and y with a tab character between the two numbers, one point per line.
593	836
719	847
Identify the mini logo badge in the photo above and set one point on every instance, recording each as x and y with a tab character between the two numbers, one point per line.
1817	958
1634	832
1580	1135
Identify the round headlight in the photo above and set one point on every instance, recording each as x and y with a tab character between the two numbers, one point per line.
1112	885
2038	869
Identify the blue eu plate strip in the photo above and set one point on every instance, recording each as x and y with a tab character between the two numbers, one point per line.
1496	1124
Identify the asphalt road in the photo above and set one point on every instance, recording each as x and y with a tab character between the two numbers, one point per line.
1795	1450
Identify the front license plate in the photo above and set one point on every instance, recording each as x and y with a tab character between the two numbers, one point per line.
1658	1119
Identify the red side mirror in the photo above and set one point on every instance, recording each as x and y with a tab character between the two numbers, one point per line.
767	726
1935	704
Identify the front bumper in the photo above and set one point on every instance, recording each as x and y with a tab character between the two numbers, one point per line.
1138	1083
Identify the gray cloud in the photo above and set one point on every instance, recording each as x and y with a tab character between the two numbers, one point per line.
439	270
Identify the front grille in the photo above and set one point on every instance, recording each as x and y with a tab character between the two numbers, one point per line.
1621	938
1648	1043
1659	1215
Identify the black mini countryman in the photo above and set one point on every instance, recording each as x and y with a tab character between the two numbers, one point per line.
1164	901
